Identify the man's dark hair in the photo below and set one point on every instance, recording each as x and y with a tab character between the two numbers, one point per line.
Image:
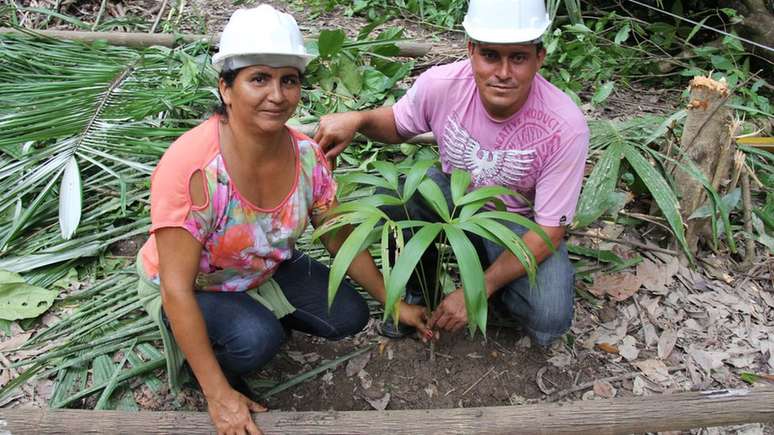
538	44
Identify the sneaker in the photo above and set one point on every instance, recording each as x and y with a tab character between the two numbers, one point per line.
387	328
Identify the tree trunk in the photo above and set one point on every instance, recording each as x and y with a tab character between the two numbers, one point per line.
707	142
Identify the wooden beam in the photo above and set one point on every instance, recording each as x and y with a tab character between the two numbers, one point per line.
678	411
310	129
140	40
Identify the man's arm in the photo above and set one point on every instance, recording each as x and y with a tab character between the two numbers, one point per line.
451	315
336	130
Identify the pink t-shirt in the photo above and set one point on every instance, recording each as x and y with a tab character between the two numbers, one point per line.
540	151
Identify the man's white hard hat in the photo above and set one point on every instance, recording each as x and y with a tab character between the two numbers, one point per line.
261	36
506	21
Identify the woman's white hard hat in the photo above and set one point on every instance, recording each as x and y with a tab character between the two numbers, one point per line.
261	36
506	21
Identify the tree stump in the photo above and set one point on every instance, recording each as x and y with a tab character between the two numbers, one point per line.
707	141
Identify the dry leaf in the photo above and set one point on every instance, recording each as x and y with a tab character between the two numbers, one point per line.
655	370
649	331
297	356
639	386
379	404
620	286
431	390
666	343
14	342
657	277
561	360
358	363
606	347
706	359
366	380
628	348
604	389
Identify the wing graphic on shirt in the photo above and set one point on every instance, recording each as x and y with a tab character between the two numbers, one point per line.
503	167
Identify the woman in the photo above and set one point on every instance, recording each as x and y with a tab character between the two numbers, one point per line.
228	201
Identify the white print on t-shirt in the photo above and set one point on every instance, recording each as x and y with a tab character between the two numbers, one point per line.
486	167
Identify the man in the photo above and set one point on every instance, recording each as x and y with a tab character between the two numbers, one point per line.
496	117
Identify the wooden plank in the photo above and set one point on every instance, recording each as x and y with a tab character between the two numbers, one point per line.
139	40
679	411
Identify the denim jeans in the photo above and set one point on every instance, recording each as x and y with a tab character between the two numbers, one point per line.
245	335
545	311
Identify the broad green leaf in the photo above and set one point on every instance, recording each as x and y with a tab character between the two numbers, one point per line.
434	196
472	274
406	263
662	194
490	193
346	254
460	180
350	75
390	173
367	179
508	239
598	187
730	200
414	176
330	42
520	220
602	92
622	34
70	199
602	255
19	300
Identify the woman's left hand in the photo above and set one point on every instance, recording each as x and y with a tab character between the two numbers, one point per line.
416	316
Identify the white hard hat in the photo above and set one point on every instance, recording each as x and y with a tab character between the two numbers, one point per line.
261	36
506	21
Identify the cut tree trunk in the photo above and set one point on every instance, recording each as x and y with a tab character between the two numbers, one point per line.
707	142
663	412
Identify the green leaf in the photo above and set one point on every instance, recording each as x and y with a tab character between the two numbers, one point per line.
366	179
472	274
508	239
415	175
520	220
730	200
406	263
460	180
19	300
662	193
434	196
490	193
350	75
623	34
70	199
346	254
390	173
330	42
594	199
602	92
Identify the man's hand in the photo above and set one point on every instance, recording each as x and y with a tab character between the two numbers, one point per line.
230	413
451	315
336	131
416	316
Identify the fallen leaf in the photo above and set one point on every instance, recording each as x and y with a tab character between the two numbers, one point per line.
297	356
515	400
620	286
366	380
666	343
657	277
525	342
639	386
588	395
604	389
655	370
328	378
562	360
14	342
708	360
628	348
379	404
431	390
358	363
606	347
649	331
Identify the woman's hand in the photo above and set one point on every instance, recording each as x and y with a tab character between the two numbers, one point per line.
336	131
416	316
230	412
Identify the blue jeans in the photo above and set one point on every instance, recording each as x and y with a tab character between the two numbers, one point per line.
245	335
545	311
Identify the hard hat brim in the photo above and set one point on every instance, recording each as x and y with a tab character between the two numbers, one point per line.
496	36
274	60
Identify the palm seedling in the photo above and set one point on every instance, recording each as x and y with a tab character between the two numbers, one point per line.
466	215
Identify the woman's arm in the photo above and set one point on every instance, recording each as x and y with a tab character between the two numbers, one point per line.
364	271
179	255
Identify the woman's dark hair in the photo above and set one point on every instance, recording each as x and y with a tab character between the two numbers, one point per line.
228	76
